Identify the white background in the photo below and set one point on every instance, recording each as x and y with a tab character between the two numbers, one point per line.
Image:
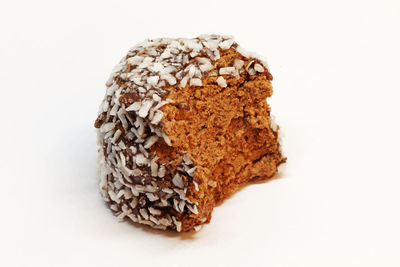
336	79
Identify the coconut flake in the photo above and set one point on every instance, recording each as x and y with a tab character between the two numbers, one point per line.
251	71
195	82
111	89
152	197
193	209
144	213
157	117
177	181
162	171
191	171
178	224
226	44
184	81
136	60
258	68
181	205
187	160
156	98
134	107
238	64
150	141
153	80
116	136
141	160
228	71
198	227
106	127
221	82
114	110
166	139
156	67
154	211
144	109
154	168
196	186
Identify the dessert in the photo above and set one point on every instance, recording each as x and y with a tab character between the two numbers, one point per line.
184	123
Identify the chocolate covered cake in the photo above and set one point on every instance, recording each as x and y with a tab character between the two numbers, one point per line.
183	124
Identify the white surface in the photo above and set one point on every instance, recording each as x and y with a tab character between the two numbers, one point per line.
336	79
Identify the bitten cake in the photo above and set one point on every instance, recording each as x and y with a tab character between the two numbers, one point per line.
184	123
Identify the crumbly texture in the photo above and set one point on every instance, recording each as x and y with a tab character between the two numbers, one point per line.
226	131
183	124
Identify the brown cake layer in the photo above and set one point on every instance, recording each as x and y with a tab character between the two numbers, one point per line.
226	132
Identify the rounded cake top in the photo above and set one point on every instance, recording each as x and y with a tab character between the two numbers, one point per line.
138	82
